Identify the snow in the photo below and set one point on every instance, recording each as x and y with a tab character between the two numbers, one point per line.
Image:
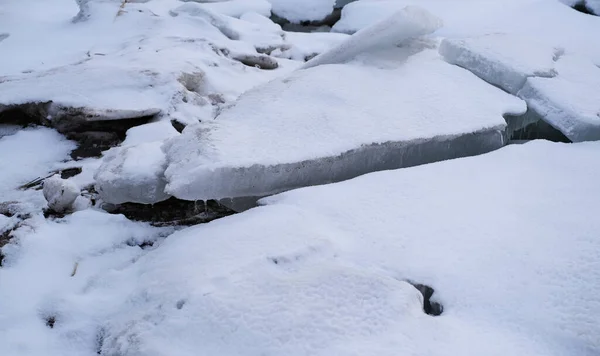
297	11
314	127
402	26
515	275
28	154
505	61
569	102
60	193
547	21
508	239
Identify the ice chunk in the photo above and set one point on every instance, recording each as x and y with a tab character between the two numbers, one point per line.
334	122
406	24
502	60
297	11
133	174
60	193
570	102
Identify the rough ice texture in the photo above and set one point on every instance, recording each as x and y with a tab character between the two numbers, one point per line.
508	240
570	101
502	60
237	8
406	24
60	193
133	174
297	11
315	127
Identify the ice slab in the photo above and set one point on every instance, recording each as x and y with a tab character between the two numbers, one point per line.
505	61
404	25
553	24
570	102
324	124
133	174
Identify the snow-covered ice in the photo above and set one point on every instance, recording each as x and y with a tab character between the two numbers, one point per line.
314	127
133	174
507	240
502	60
570	102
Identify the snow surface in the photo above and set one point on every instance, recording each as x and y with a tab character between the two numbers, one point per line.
502	60
507	239
26	155
315	126
570	102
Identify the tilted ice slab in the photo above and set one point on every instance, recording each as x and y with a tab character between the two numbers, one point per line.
406	24
335	122
570	102
505	61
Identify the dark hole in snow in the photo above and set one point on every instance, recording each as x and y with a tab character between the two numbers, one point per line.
178	125
581	7
100	336
70	172
429	307
50	321
530	126
180	304
172	211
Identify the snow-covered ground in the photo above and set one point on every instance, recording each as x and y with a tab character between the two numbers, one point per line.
407	107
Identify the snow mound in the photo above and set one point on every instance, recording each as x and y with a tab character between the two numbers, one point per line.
569	102
406	24
505	61
133	174
304	10
60	194
315	127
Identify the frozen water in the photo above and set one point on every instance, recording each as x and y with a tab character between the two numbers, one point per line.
133	174
570	101
406	24
505	61
314	127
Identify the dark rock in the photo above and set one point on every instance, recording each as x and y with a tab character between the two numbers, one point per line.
308	26
94	131
50	321
429	307
172	211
